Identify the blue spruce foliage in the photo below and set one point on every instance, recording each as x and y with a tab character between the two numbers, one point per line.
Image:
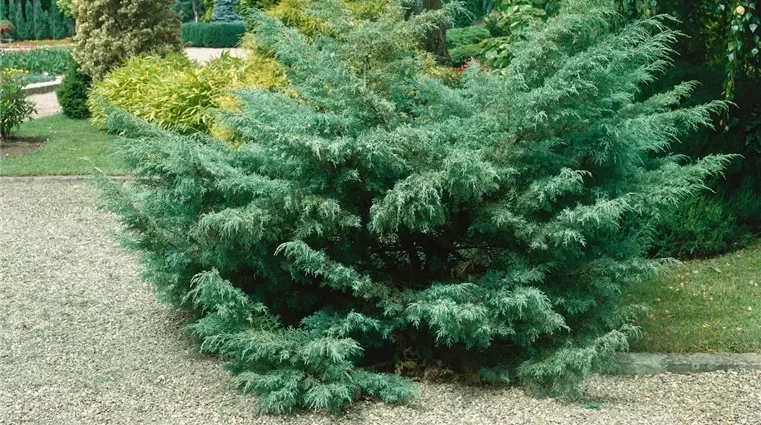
225	11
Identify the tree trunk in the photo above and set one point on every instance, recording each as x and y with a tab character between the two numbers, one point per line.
436	40
195	10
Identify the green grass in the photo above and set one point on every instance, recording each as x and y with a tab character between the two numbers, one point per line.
73	147
709	305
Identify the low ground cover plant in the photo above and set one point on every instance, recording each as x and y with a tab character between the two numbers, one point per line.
43	60
372	218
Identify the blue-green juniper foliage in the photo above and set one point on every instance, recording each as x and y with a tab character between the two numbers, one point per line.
372	215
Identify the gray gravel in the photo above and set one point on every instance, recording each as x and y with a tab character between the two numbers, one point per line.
83	341
205	54
46	104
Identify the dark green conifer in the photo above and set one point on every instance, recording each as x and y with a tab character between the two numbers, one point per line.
59	26
41	22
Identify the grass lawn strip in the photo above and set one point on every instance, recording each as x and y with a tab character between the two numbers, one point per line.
707	306
72	147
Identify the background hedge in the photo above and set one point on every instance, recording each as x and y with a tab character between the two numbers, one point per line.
203	34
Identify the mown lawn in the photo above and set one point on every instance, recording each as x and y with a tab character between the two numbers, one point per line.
72	147
709	305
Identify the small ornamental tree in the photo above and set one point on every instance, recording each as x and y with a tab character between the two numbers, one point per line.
14	106
373	218
110	31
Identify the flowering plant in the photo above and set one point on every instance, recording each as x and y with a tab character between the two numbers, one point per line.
6	29
14	107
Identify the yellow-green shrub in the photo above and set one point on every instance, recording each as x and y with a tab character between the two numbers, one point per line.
178	93
293	13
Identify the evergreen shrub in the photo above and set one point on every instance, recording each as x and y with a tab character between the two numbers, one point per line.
74	92
109	32
60	27
469	35
709	224
245	5
215	34
374	218
21	29
41	22
462	54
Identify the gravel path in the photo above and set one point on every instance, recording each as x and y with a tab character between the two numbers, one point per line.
46	104
205	54
83	341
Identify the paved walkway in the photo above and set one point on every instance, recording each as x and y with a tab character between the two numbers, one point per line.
84	341
46	104
205	54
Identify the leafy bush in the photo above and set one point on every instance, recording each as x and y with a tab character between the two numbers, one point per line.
457	37
64	6
74	92
709	224
203	34
462	54
176	92
255	4
53	60
225	11
14	107
110	31
474	10
510	22
374	215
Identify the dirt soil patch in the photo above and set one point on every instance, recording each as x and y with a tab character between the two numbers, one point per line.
17	145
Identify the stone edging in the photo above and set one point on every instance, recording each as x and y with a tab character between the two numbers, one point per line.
17	179
44	87
653	363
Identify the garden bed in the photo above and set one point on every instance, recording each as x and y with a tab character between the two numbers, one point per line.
15	146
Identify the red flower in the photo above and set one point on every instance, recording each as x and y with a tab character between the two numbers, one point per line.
467	64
